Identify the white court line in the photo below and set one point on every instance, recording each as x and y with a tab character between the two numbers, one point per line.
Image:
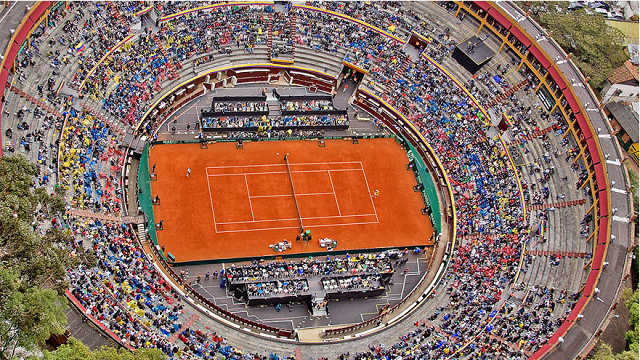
268	196
238	174
283	172
334	192
297	227
361	168
296	164
249	195
369	191
305	218
215	227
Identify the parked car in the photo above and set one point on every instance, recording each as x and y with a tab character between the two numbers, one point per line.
576	5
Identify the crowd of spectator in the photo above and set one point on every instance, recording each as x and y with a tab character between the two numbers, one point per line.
386	15
282	35
361	46
306	105
356	282
129	78
128	295
361	263
240	106
90	163
270	133
284	287
265	123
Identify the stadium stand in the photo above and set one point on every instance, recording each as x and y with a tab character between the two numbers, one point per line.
531	217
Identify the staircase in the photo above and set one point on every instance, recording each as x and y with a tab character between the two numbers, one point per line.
317	301
36	102
507	94
556	205
142	233
274	106
399	72
531	136
173	74
118	15
270	33
293	34
92	215
172	339
317	307
557	253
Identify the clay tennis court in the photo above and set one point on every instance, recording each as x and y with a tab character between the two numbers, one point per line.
236	202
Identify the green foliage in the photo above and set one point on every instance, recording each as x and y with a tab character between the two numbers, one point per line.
596	46
75	350
29	316
603	352
32	264
630	298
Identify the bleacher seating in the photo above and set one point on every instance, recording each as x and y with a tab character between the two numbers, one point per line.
122	77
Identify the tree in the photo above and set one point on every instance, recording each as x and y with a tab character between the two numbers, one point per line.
597	47
32	264
75	350
631	302
603	352
27	317
630	298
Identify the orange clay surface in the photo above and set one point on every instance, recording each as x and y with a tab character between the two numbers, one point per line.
236	202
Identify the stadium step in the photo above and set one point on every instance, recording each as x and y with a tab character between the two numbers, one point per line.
477	236
270	34
398	73
507	93
92	215
187	324
173	74
118	15
531	136
557	253
556	205
36	102
142	233
293	32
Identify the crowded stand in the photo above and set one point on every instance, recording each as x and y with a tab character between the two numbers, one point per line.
304	105
318	121
274	134
130	297
361	46
352	283
238	27
289	287
282	36
318	31
99	33
90	162
366	263
387	15
240	107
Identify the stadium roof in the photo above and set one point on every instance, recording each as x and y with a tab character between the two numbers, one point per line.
626	117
